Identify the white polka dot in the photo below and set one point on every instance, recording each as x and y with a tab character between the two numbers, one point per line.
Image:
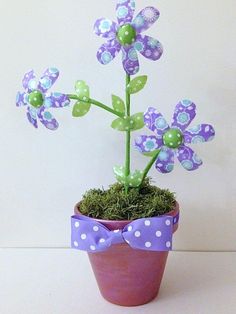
83	236
95	228
102	240
126	33
130	228
167	222
76	224
148	244
92	247
170	135
158	233
116	231
137	234
147	222
168	244
178	135
76	243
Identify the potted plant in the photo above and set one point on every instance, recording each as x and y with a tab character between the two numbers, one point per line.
127	229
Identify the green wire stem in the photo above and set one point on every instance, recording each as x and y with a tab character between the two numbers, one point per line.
128	137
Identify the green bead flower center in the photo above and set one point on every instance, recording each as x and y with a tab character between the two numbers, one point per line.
126	35
173	138
36	99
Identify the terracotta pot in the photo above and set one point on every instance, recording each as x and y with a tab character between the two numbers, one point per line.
127	276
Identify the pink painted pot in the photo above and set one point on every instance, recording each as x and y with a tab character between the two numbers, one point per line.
127	276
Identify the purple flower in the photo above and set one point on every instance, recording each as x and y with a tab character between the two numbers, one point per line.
126	36
38	101
171	140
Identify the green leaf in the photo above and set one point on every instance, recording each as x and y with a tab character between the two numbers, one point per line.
80	109
137	84
118	104
82	90
133	180
119	172
121	124
136	121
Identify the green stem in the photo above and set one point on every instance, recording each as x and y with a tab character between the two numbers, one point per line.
128	137
98	104
149	165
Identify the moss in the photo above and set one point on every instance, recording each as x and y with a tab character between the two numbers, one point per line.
115	204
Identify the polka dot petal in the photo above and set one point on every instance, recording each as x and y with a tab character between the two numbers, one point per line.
47	119
48	78
145	19
152	48
165	160
185	112
147	144
199	134
125	11
28	78
105	28
108	51
188	159
130	60
155	122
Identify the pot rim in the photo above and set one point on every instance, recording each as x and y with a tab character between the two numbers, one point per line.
170	213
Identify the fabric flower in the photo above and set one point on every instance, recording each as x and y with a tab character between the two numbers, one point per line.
126	35
172	140
38	101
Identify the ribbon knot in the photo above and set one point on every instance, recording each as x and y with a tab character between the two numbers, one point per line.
153	234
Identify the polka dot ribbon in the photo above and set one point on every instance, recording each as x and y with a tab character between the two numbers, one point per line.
153	234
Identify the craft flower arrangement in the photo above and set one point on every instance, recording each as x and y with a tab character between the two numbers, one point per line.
144	235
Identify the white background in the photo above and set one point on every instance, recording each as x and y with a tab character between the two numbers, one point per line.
43	173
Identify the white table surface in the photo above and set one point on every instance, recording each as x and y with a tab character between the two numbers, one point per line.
60	281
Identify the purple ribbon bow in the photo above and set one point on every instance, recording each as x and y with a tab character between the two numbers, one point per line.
153	234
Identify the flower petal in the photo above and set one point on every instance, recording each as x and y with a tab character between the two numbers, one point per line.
21	99
147	144
29	81
188	159
56	100
199	134
48	79
165	160
32	115
155	122
108	51
125	11
145	19
184	113
105	28
130	60
149	47
47	119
